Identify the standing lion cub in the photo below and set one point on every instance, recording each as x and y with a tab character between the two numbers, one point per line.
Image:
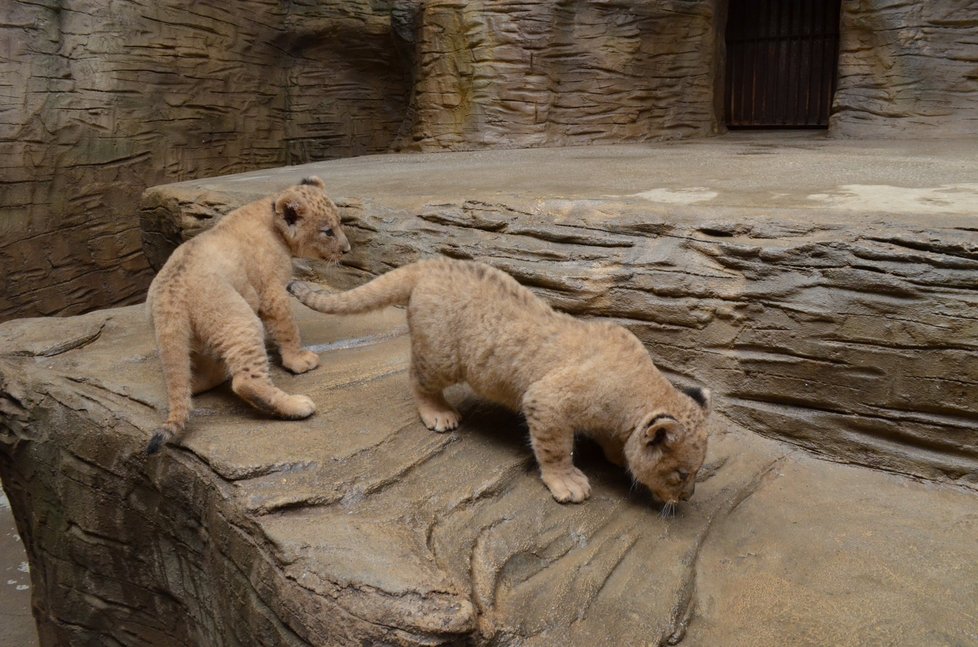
209	302
472	323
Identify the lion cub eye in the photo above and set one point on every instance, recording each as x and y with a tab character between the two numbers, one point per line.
328	231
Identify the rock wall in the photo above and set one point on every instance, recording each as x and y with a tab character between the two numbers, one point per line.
105	98
907	69
349	77
111	97
519	73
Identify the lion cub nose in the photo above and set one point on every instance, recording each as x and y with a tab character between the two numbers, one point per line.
346	246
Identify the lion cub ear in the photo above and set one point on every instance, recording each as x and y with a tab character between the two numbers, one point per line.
700	396
290	209
661	431
313	180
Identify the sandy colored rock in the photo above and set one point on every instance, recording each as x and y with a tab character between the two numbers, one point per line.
105	99
518	73
360	526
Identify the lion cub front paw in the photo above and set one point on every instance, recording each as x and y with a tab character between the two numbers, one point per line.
301	361
297	407
567	486
440	420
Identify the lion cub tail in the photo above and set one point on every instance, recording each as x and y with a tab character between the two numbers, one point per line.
390	289
173	338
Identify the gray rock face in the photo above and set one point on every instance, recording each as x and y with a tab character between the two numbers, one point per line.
821	307
907	69
537	73
103	100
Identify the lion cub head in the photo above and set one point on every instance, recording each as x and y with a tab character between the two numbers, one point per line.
668	447
309	222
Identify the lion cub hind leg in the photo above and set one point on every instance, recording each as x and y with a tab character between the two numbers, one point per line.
208	372
435	412
240	342
260	393
552	439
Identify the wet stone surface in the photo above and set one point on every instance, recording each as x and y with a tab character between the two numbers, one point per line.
17	626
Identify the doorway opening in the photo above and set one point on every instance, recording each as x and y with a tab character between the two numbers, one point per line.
782	62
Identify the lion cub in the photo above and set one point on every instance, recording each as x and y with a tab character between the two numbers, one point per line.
209	302
472	323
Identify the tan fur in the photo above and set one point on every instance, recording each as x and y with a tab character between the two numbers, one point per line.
472	323
217	294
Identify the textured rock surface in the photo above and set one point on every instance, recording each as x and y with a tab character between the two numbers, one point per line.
828	291
359	526
102	99
907	69
519	73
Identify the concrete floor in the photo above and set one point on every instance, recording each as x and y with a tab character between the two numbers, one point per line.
16	623
840	179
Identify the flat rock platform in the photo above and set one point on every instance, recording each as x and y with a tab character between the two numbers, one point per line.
825	290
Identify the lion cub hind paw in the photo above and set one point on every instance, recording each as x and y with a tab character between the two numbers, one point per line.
569	486
440	421
304	360
298	407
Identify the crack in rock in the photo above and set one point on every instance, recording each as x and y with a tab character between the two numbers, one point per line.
683	610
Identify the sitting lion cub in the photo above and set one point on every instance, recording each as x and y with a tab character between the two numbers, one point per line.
212	296
472	323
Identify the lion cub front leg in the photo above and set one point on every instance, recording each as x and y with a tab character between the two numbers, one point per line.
613	450
277	315
553	445
435	412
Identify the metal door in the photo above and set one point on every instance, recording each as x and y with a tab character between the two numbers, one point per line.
782	57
